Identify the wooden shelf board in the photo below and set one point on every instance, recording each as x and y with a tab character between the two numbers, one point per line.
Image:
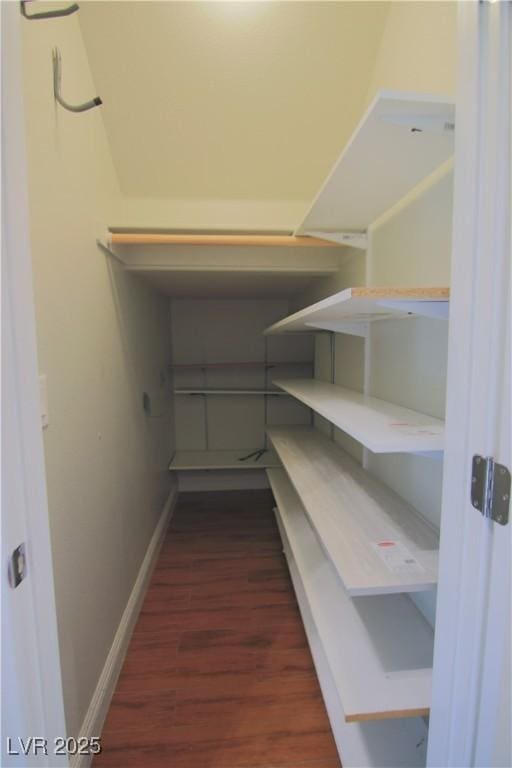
357	518
381	426
269	392
401	139
198	460
379	649
363	305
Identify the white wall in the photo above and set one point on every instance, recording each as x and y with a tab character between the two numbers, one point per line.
103	339
207	331
417	50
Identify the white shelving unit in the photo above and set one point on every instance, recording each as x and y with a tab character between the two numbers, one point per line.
381	426
400	743
401	139
354	547
379	649
199	460
374	540
360	306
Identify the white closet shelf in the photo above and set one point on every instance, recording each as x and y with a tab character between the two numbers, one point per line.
401	139
377	543
381	426
270	392
192	460
218	239
363	305
379	649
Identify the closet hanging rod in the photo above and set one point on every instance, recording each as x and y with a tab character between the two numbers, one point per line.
57	77
250	364
56	14
137	238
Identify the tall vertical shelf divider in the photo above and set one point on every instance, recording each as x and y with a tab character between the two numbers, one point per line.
354	548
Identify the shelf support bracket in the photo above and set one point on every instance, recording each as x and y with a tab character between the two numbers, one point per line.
352	239
435	309
104	247
337	326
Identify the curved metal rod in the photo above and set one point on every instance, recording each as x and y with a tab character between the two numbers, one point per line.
47	14
57	77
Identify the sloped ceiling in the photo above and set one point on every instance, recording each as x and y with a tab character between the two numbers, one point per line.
246	100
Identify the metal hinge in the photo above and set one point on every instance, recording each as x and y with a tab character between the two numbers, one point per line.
17	566
490	489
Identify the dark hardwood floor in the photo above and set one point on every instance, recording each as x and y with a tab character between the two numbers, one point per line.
218	673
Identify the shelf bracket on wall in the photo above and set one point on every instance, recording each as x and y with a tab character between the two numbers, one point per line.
435	309
338	326
104	247
421	123
352	239
57	77
56	14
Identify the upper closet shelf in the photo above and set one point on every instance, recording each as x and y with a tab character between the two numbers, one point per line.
362	305
401	139
377	543
380	426
218	239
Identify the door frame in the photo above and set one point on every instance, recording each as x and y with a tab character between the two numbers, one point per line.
467	723
30	652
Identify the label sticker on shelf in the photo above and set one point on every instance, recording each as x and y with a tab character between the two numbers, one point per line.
407	428
396	557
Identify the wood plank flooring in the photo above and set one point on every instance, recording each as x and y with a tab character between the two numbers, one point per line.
218	673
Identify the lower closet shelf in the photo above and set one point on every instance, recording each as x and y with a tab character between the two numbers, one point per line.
400	743
377	543
197	460
379	648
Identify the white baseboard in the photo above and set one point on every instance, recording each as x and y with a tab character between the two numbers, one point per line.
100	702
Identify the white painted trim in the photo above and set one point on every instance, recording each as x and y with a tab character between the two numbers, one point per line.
100	702
32	701
473	605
